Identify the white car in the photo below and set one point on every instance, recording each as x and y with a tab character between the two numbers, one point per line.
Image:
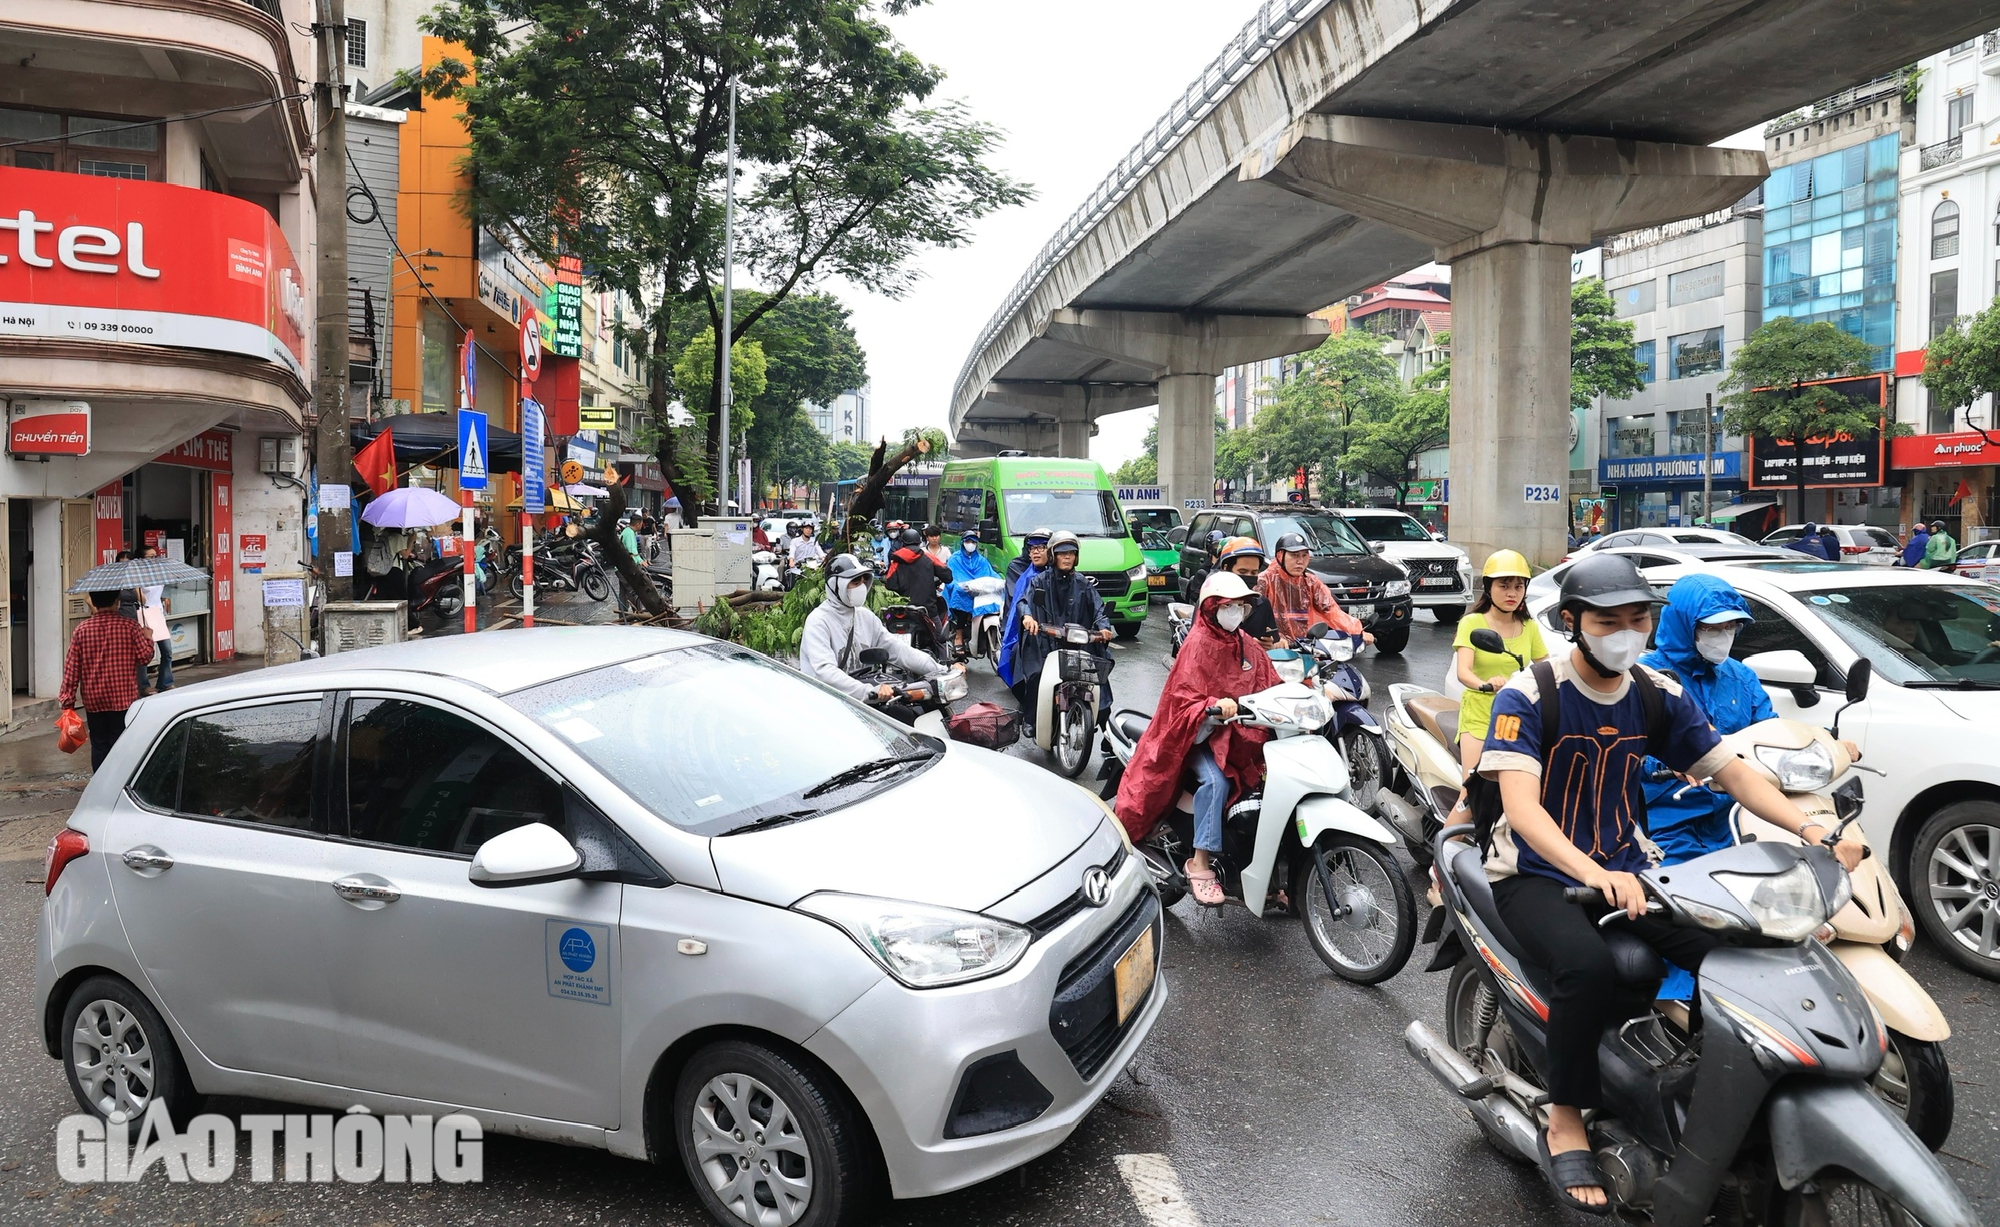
1629	537
566	881
1927	724
1542	589
1440	574
1862	543
1980	560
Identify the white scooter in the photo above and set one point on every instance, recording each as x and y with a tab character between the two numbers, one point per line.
765	573
1337	862
1066	704
983	636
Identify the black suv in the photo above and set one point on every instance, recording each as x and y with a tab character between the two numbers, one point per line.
1371	588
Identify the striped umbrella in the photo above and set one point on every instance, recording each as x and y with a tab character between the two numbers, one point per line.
137	573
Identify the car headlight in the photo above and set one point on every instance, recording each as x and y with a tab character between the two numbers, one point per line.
1787	906
921	945
1137	574
1396	587
1803	770
952	687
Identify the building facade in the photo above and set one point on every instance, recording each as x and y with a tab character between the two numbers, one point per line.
849	419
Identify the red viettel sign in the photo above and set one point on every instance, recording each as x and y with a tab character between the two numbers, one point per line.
208	450
91	259
48	428
1950	451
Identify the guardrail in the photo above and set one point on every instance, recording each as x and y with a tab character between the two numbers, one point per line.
1274	22
1944	153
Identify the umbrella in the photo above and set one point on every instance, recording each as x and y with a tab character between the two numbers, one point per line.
581	489
410	507
432	438
553	499
137	573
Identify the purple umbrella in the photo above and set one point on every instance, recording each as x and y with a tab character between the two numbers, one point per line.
410	507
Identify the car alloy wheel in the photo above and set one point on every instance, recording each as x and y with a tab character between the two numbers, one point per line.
751	1151
1955	868
113	1060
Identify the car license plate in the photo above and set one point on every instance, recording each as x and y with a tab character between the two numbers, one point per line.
1134	974
1439	581
1156	581
1360	611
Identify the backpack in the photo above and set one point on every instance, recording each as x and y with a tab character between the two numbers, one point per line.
1482	795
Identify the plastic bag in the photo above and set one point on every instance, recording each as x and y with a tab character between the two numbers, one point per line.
72	734
985	724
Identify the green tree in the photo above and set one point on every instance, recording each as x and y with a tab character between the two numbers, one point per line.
811	356
749	374
1237	454
850	461
1386	450
940	442
1769	393
599	128
1964	361
1314	417
1601	358
1144	468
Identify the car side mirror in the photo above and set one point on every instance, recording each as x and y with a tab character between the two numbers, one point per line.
527	854
989	530
874	657
1176	535
1376	547
1783	668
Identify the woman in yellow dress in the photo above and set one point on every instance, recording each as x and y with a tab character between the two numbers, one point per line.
1503	594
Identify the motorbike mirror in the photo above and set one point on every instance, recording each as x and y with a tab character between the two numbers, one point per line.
1858	676
1320	630
1488	641
873	657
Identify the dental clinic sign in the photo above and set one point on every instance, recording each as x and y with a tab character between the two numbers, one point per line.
112	260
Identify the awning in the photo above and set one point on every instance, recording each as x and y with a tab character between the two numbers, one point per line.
1725	514
432	439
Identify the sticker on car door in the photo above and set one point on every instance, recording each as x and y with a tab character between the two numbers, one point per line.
579	961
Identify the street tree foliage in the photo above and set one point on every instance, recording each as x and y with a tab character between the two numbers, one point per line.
1385	450
1601	357
939	441
1144	468
749	375
599	128
850	461
1344	384
1964	361
1769	391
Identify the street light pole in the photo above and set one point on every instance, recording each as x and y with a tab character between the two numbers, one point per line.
728	299
1707	459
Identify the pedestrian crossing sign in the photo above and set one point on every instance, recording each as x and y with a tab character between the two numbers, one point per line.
471	449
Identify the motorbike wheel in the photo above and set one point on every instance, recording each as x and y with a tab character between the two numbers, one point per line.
515	586
451	603
1072	740
1915	1081
593	583
1164	856
1842	1201
1361	918
1367	768
1473	1025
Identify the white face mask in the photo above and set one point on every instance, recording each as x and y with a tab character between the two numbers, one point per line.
1714	642
856	595
972	547
1618	651
1229	617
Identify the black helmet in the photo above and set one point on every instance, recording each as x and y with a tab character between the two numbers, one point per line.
1064	543
1212	542
844	569
1292	541
1603	581
909	536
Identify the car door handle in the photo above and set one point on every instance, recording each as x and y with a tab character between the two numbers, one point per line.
366	890
147	861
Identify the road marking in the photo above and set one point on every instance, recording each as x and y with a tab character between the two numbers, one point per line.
1156	1190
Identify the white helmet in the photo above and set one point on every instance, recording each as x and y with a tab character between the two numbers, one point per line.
1226	584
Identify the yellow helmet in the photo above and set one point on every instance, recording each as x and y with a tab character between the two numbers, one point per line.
1504	562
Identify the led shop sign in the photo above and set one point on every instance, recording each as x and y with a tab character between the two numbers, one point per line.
112	260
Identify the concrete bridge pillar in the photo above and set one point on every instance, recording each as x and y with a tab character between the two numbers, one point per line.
1187	439
1505	209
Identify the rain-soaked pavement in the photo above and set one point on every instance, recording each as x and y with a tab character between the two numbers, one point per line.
1269	1093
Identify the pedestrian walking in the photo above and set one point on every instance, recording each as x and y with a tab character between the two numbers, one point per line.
100	672
153	616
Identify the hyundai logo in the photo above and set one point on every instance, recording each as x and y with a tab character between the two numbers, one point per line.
1096	886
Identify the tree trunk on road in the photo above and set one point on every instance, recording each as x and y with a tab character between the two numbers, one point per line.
605	533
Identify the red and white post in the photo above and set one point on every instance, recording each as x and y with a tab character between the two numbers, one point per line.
470	548
527	570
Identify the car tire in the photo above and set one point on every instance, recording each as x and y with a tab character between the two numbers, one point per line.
1448	615
1937	891
822	1145
1392	641
1127	630
113	1040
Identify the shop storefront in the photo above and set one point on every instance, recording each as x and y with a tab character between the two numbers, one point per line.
1948	477
1844	473
1666	491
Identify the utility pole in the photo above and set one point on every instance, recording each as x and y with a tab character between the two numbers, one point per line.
1707	449
333	454
728	302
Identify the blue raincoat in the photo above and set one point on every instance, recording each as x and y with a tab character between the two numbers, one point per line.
1010	640
964	568
1687	820
1920	540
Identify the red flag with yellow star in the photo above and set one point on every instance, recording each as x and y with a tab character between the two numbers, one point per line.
377	463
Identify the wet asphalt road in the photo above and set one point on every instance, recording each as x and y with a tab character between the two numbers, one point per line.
1277	1093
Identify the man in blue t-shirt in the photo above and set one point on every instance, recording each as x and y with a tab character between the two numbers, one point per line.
1571	818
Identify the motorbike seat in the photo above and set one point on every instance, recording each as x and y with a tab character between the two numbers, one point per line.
1438	716
1131	724
1638	966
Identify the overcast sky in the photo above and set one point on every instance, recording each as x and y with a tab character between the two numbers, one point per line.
1073	84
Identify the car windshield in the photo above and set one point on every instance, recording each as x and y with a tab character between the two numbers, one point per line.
1087	513
1154	522
689	734
1389	528
1934	634
1324	534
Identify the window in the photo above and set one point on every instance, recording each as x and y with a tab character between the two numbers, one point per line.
1939	416
209	181
158	783
1087	513
357	43
1694	353
1944	230
1957	115
960	509
422	777
250	764
1774	632
1944	300
1632	436
1694	284
1635	299
77	144
1642	353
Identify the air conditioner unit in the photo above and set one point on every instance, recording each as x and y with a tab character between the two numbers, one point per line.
349	626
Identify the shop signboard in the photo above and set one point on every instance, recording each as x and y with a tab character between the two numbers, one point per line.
1841	460
1663	470
566	341
597	417
1959	449
211	450
119	260
48	428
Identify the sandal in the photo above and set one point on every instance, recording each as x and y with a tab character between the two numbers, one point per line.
1573	1169
1205	887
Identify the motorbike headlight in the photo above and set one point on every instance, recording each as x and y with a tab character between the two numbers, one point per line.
1787	906
952	687
1307	711
1396	587
1137	574
920	945
1718	919
1803	770
1290	668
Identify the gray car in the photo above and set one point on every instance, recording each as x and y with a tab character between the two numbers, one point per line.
564	879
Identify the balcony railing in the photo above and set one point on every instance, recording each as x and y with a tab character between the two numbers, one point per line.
1990	45
1944	153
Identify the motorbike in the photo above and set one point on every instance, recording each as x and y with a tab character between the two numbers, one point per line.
930	697
766	574
1300	830
567	567
1757	1116
924	630
1067	703
982	638
1325	658
1422	735
434	589
1180	620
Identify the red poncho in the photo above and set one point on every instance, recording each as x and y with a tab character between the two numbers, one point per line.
1210	667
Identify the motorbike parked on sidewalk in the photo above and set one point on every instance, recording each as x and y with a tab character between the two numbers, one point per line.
567	567
1066	705
1757	1115
1300	831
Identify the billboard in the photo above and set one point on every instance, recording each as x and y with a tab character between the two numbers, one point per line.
1838	460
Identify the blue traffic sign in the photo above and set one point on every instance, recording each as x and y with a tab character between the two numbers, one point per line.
534	472
471	449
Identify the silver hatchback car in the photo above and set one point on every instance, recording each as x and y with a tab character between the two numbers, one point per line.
565	880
